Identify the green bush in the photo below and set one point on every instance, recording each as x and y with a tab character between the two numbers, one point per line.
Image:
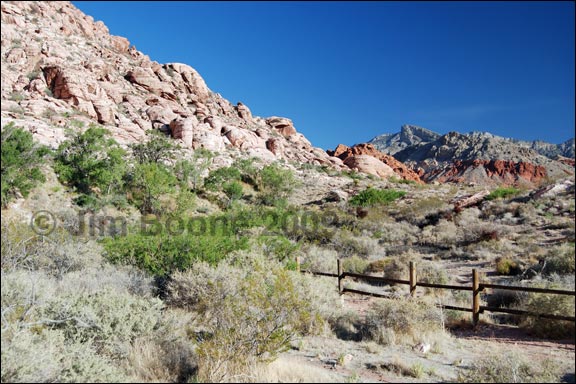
20	159
218	177
159	148
276	184
164	253
502	193
147	183
233	190
279	247
190	171
371	197
248	171
506	266
355	264
91	162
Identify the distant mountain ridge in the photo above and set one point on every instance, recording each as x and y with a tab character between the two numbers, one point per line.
476	157
410	135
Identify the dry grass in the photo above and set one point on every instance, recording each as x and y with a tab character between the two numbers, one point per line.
289	370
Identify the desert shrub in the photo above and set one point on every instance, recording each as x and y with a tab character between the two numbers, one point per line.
107	319
38	357
56	253
423	211
221	176
354	264
432	274
506	298
347	326
248	171
147	183
396	180
279	247
402	233
480	232
395	268
91	162
392	321
320	259
502	193
162	358
377	266
275	183
510	368
443	234
233	190
120	279
347	244
560	260
23	295
158	148
561	305
372	196
20	158
191	171
164	253
249	309
507	266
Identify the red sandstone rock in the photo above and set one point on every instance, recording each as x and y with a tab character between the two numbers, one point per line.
343	152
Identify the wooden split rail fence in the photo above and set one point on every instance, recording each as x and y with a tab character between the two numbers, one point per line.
477	286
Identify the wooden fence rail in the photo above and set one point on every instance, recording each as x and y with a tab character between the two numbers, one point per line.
477	286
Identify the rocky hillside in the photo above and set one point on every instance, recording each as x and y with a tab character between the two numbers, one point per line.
477	157
61	69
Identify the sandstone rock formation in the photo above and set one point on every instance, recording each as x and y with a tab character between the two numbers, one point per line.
345	153
61	69
370	165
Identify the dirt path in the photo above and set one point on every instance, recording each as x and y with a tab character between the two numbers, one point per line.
335	360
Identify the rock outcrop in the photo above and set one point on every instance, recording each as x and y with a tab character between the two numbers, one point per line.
346	153
61	69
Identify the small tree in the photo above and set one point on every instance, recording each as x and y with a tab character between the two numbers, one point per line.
221	177
189	172
158	148
147	183
20	157
91	162
233	190
276	183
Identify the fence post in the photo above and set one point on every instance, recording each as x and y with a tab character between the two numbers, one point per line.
340	277
412	279
475	298
298	264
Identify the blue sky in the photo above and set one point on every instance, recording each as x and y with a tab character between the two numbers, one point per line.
345	72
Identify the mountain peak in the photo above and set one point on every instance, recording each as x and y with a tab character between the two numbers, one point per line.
480	156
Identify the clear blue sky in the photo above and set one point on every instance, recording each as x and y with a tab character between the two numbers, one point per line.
345	72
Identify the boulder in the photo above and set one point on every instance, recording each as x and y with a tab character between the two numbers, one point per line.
183	129
282	125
